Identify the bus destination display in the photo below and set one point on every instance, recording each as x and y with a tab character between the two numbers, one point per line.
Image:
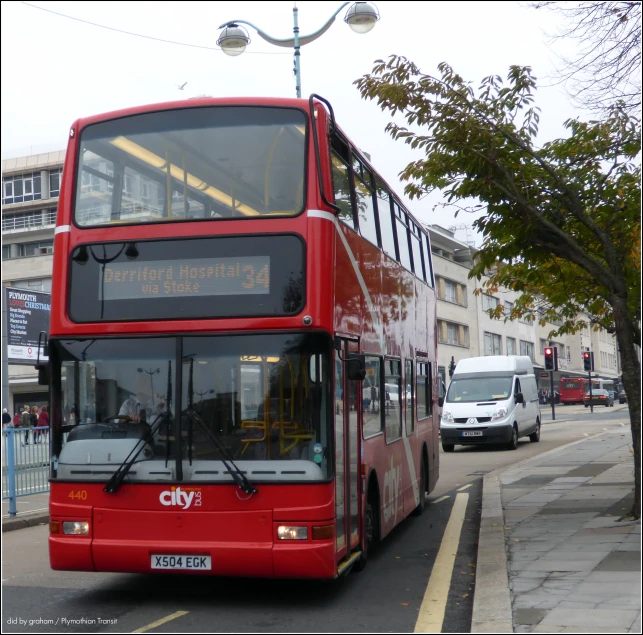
243	275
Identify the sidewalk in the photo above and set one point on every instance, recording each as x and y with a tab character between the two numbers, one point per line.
32	510
553	555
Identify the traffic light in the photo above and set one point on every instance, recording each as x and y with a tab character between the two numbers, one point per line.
551	358
588	361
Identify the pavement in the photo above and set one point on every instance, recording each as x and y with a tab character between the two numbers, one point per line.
555	554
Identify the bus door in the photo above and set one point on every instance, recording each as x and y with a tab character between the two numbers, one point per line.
348	403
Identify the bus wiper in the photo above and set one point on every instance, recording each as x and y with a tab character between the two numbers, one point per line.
119	475
238	476
165	417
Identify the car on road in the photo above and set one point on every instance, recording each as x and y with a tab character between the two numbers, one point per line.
600	397
622	397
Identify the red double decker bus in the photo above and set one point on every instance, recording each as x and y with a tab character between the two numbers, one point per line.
242	345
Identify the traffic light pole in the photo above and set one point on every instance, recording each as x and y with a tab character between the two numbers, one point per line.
591	403
552	396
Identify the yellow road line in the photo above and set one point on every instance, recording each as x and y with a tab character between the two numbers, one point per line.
465	487
149	627
436	595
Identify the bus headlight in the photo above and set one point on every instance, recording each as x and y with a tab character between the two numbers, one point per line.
447	416
76	528
499	414
289	532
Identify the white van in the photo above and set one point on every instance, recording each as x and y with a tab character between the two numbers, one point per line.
491	399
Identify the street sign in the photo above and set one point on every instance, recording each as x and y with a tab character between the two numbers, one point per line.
27	315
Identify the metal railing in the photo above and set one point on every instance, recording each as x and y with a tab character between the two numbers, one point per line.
25	463
12	222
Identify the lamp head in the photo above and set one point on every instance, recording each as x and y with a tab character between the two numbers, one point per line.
233	39
362	16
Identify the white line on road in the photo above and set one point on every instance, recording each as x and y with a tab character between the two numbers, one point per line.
439	500
463	488
160	622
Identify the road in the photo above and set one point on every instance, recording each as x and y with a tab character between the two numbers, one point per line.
387	596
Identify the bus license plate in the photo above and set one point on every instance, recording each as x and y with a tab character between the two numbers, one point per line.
472	433
187	563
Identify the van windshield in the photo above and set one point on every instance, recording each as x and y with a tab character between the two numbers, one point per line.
479	389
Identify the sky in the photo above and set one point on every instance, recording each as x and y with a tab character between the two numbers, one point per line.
55	69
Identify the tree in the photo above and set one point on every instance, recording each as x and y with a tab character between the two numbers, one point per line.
607	67
561	222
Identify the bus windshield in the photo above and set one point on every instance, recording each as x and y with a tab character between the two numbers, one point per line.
189	164
263	398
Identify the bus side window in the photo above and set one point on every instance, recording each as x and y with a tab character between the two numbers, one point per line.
341	181
386	221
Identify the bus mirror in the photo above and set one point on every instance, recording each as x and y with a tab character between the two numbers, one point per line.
44	376
356	367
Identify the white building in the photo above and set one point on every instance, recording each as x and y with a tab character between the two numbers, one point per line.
30	188
466	330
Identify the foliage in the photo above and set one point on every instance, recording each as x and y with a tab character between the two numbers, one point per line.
561	223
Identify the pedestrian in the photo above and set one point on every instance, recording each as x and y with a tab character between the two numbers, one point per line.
16	420
25	420
6	418
43	424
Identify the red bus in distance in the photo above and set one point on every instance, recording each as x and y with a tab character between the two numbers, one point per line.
242	345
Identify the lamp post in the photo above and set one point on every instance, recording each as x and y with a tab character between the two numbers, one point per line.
361	17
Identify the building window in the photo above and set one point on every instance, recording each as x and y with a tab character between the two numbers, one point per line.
449	288
527	348
492	344
489	302
508	308
453	334
21	188
452	291
569	354
54	182
36	284
543	345
6	252
42	248
511	346
528	318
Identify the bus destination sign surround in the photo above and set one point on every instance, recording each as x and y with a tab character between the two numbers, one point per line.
245	275
187	278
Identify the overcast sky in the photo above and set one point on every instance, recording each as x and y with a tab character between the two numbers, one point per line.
55	70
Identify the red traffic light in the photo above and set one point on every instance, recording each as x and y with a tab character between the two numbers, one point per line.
548	351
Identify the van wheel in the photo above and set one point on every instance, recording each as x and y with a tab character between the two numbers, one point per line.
535	436
448	447
513	444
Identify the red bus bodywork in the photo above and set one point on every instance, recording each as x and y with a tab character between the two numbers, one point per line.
353	291
573	389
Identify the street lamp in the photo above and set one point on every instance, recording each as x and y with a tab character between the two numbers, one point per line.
361	17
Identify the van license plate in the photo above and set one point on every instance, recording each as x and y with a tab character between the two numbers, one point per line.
187	563
472	433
